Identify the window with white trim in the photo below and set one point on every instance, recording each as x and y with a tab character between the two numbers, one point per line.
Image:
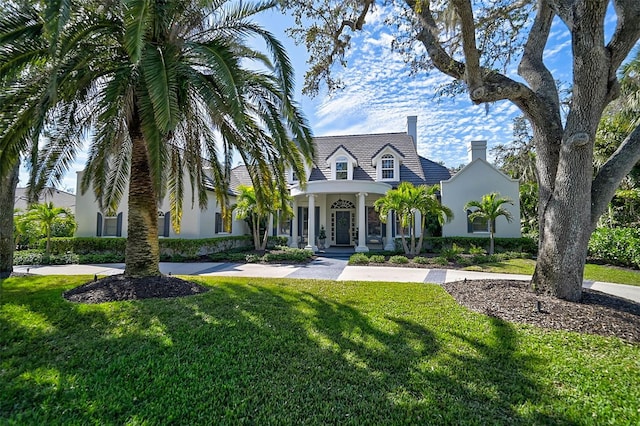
388	166
342	168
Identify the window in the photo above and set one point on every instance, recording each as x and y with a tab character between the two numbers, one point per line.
223	224
110	226
479	224
374	226
342	168
388	166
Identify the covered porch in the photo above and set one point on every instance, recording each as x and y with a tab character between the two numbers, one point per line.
345	211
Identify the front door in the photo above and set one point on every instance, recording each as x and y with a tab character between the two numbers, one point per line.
343	227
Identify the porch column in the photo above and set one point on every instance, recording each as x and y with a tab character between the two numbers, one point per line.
362	224
294	225
390	244
311	225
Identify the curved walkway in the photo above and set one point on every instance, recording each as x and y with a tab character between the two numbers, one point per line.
320	268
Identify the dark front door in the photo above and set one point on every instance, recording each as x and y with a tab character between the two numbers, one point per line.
343	227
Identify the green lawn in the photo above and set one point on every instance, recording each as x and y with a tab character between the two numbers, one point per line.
298	352
593	272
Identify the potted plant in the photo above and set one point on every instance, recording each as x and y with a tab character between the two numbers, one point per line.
322	238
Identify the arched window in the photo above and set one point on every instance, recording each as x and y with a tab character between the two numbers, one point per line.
388	166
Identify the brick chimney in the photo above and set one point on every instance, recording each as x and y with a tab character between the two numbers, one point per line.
477	149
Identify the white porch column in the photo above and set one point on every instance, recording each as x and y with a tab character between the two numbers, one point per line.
311	225
294	225
390	244
362	224
418	224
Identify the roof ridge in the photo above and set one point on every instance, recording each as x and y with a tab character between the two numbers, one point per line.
361	134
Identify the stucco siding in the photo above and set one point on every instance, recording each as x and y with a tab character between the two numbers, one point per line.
471	183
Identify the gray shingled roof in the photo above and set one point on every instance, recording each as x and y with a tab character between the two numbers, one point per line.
363	148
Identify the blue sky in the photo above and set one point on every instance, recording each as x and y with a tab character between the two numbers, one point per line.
380	93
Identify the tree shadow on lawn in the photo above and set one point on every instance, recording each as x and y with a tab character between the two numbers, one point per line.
253	353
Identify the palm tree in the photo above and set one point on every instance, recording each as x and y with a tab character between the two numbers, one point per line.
395	201
156	84
257	213
427	203
46	215
489	209
407	200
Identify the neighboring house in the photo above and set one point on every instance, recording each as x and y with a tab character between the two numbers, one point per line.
472	182
58	197
348	175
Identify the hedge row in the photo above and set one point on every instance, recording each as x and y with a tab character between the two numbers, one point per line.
617	246
169	247
521	245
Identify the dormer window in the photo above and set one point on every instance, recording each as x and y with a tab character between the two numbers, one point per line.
388	167
294	176
342	168
387	163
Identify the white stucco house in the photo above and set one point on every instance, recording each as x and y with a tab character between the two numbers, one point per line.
471	183
348	175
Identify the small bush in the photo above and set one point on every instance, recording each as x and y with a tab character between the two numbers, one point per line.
253	258
475	250
376	258
398	260
359	259
441	261
288	254
421	260
452	254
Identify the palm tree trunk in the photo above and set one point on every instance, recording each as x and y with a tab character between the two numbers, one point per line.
142	255
7	200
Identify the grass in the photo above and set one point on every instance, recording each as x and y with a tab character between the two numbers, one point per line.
287	351
593	272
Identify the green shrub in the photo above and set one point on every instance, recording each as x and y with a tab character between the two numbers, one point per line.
475	250
288	254
376	258
421	260
359	259
523	244
398	260
618	246
38	257
441	261
253	258
452	254
101	258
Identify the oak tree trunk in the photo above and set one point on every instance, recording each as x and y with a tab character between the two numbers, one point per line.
142	255
7	199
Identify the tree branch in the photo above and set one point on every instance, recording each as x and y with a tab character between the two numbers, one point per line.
532	67
473	75
617	167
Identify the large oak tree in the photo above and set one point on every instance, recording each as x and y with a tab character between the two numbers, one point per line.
471	41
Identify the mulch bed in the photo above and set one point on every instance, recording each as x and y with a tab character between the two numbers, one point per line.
118	287
596	313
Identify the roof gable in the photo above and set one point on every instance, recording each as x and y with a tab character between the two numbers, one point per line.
480	163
